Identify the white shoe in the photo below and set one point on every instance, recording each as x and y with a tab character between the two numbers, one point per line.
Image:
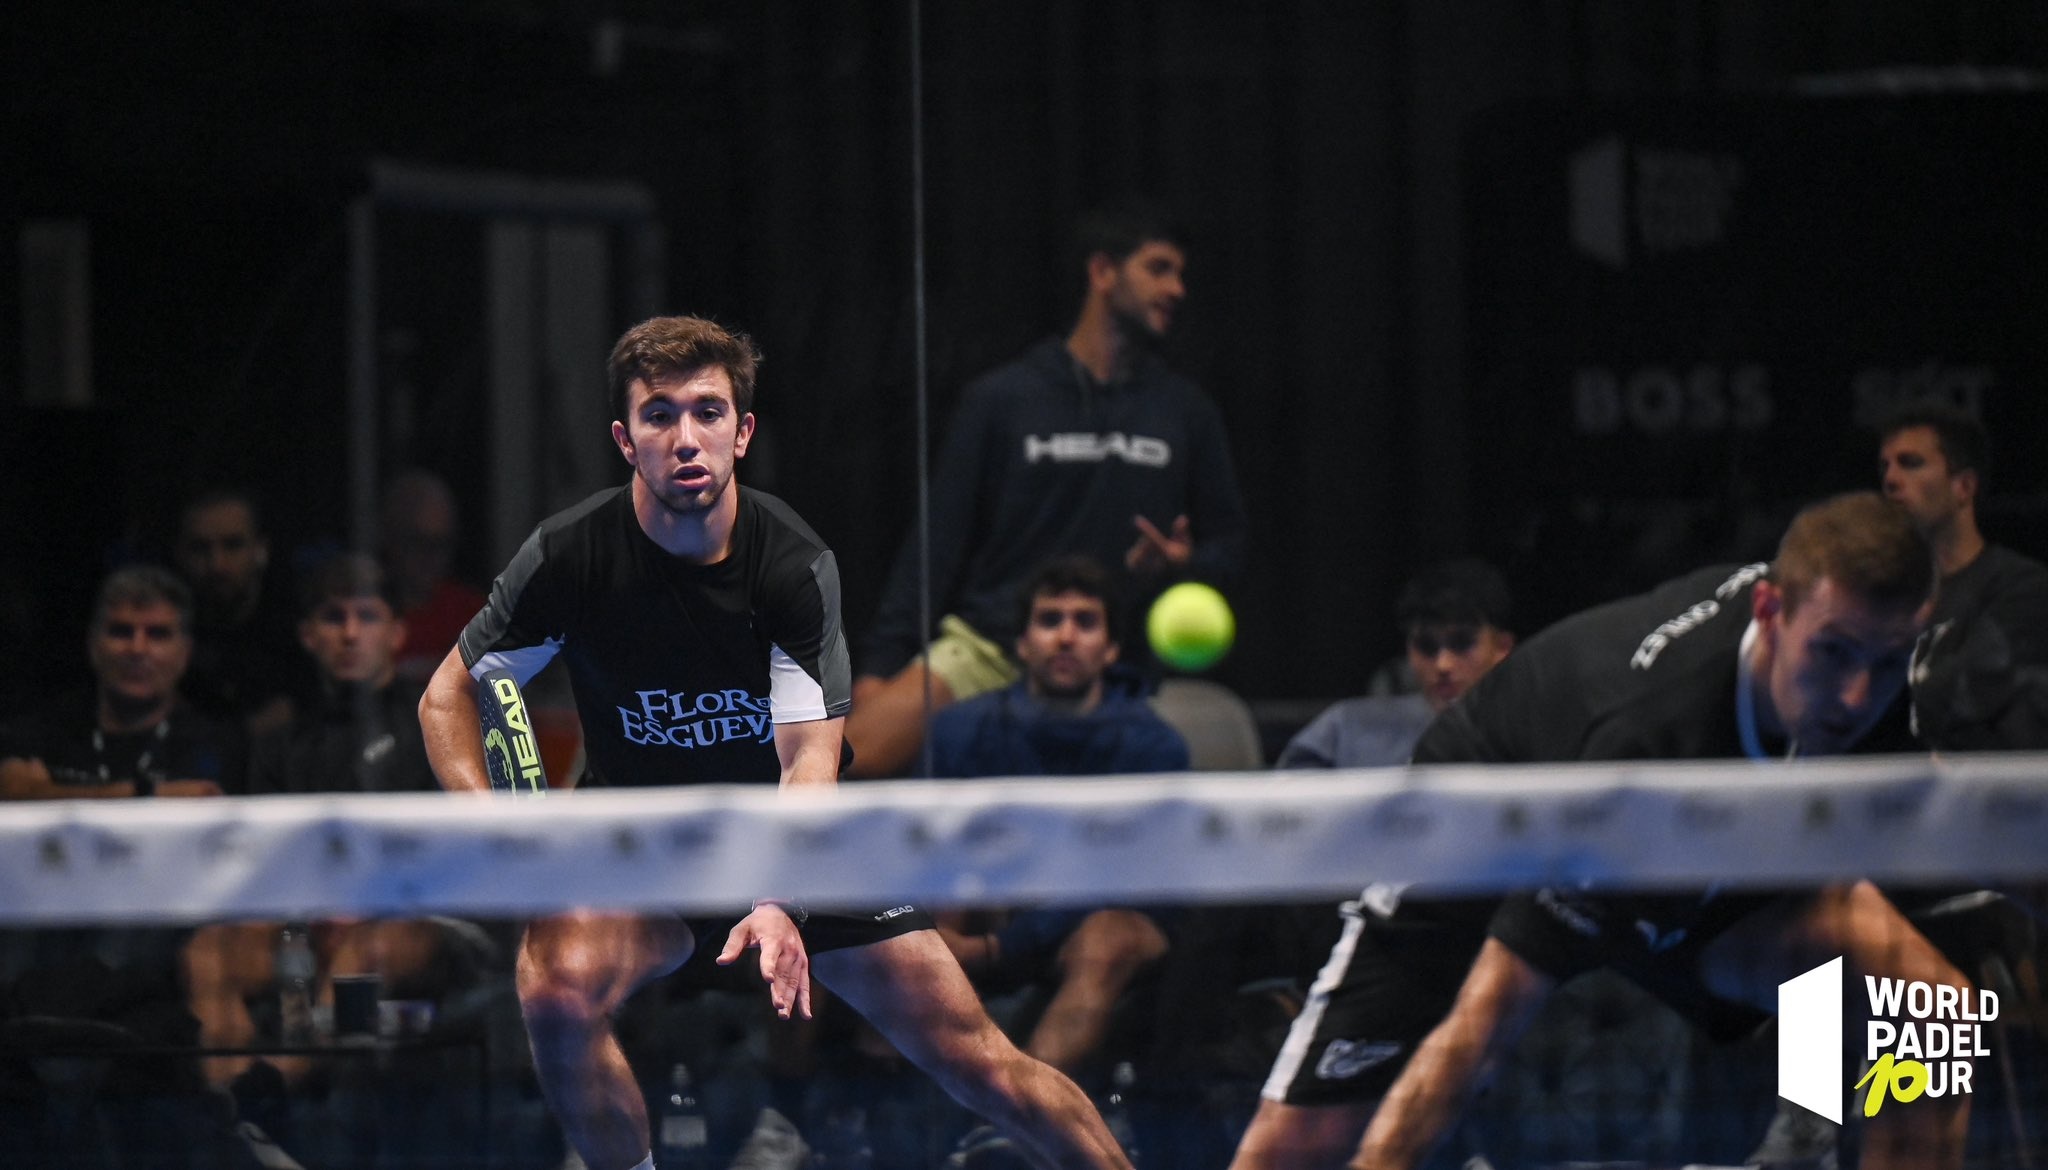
775	1144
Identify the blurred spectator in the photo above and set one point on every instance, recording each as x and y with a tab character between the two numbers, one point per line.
246	664
1455	618
132	736
361	730
1086	444
419	526
1980	674
360	734
1061	719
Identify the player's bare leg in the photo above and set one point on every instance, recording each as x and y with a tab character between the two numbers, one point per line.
574	971
1857	923
886	724
910	989
1302	1137
1096	963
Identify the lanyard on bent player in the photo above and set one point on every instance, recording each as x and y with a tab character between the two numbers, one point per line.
1745	702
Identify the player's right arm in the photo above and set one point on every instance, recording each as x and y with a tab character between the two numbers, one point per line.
449	719
1500	994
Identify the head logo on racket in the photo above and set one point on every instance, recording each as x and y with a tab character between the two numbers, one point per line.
511	754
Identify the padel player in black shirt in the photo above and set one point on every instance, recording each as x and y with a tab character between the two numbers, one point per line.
1802	659
700	626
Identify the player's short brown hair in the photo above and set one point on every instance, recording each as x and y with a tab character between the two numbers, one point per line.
667	347
1865	544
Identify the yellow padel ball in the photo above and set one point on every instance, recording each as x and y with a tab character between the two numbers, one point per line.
1190	626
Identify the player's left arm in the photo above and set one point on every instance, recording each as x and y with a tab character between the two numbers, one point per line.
809	753
1500	994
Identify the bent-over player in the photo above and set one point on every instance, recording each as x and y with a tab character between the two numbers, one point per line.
700	624
1796	658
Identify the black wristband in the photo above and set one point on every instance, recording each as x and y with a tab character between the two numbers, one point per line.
145	785
795	910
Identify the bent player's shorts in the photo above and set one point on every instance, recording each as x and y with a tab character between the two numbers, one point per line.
1388	982
966	662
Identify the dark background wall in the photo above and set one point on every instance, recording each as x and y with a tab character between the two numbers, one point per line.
1387	301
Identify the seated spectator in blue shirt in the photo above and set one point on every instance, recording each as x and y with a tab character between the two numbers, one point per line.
1455	619
1065	717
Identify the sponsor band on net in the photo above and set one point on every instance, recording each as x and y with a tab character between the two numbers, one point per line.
1198	838
1191	839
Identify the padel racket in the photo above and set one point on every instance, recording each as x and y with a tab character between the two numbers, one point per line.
511	753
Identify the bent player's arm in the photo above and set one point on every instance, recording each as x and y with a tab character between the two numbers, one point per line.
448	720
809	751
1499	995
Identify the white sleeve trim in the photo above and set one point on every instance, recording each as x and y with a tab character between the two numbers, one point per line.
793	695
524	663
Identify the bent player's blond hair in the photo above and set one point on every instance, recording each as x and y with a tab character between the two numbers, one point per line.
1865	544
663	347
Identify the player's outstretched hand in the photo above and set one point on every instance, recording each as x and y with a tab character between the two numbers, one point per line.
784	965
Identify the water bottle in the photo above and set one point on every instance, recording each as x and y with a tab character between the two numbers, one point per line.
685	1135
843	1140
296	967
1116	1110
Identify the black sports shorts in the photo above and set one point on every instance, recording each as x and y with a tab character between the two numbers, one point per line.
1389	981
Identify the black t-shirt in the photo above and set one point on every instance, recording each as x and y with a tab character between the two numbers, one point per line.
66	737
239	667
1980	674
1651	677
680	670
350	740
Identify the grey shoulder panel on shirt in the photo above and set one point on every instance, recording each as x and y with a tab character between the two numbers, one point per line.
835	664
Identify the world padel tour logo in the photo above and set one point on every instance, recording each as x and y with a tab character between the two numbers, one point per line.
1918	1040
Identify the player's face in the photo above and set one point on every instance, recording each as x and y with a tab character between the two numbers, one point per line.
1147	289
354	639
1833	665
220	553
1448	658
1065	645
683	436
139	652
1916	476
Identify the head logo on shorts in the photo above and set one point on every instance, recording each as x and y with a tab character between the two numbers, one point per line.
1918	1040
1345	1059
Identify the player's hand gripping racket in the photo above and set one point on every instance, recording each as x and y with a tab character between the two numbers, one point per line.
511	753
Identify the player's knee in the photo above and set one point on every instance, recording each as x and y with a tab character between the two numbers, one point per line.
564	985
